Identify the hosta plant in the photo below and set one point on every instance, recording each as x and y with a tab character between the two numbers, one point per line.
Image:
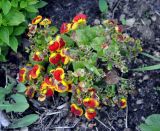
86	61
14	17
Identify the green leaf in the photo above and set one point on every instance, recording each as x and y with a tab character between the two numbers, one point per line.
25	121
13	43
14	17
6	6
32	2
41	4
31	8
103	6
2	58
4	34
153	119
20	102
152	123
23	4
19	30
5	91
21	87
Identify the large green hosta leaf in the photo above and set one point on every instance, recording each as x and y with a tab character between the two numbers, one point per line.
152	123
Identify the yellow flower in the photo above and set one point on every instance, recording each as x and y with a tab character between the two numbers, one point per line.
36	20
45	22
123	103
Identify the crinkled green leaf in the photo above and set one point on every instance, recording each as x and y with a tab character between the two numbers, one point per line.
25	121
78	65
93	69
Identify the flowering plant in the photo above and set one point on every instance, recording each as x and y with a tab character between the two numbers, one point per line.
82	60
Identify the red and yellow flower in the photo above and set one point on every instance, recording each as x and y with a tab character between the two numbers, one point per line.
55	58
123	103
47	87
90	102
22	74
56	45
90	113
61	87
80	19
37	56
30	91
36	20
65	28
76	110
58	74
45	22
53	46
34	72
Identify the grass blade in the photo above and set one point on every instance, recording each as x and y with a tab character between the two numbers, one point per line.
152	57
148	68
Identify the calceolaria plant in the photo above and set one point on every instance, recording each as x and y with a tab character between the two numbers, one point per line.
14	16
83	60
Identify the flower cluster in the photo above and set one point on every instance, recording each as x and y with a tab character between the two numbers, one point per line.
81	60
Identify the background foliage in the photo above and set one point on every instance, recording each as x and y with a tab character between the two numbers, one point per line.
13	22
